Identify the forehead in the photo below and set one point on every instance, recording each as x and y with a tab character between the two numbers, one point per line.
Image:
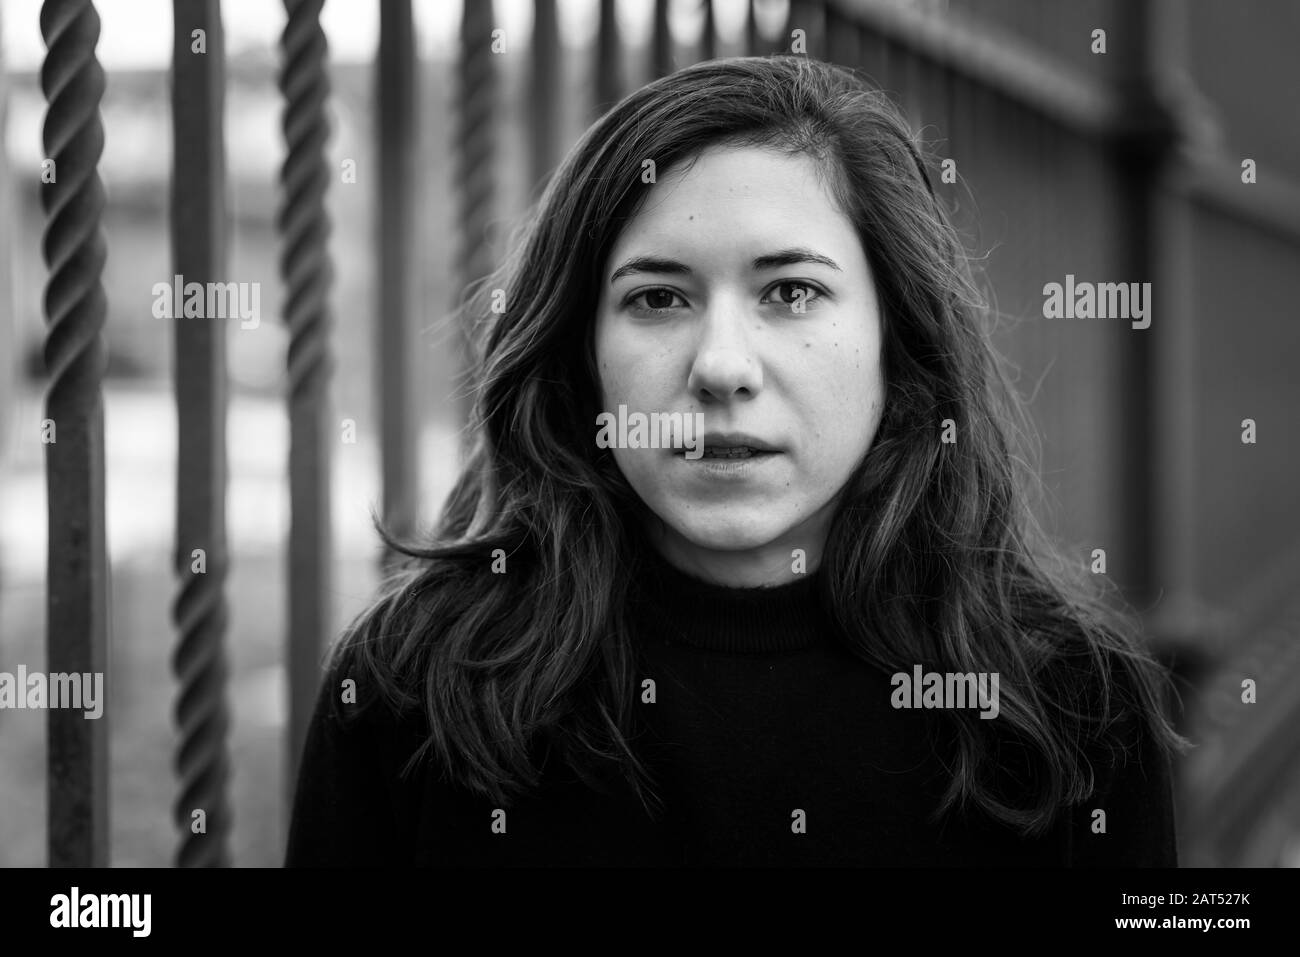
729	192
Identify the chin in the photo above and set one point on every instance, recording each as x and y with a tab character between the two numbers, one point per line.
729	533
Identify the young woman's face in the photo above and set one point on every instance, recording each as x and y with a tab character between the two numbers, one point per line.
741	291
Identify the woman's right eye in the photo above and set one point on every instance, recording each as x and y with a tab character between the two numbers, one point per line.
656	300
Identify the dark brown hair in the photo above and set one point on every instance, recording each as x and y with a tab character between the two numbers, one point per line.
932	558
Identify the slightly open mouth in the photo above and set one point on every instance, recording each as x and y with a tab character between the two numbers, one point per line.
730	452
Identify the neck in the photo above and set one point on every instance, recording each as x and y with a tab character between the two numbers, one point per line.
681	607
776	563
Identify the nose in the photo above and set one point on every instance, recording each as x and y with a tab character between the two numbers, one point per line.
726	366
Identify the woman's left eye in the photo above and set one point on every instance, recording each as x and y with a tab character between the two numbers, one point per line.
794	291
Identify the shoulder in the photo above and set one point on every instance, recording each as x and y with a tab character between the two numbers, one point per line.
371	691
351	801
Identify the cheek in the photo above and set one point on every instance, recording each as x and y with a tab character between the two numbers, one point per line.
629	370
845	372
845	393
615	383
609	365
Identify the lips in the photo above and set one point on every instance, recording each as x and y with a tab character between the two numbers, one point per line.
733	445
731	452
723	441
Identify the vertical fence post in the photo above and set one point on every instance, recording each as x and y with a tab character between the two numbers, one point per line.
661	55
75	308
1179	628
709	38
396	128
842	38
751	38
198	229
1176	359
609	85
1143	151
475	168
7	213
306	270
543	96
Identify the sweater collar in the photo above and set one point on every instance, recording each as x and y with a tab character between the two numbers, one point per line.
678	607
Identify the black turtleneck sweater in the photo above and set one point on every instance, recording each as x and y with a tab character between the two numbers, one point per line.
771	744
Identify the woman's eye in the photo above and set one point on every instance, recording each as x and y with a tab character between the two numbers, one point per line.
793	291
654	300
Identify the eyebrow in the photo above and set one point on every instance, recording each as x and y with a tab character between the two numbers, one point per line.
782	257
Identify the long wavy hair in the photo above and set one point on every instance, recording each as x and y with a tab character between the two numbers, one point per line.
507	628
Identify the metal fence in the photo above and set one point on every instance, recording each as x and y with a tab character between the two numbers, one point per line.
1098	171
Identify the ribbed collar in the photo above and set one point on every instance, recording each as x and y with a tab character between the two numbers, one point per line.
671	605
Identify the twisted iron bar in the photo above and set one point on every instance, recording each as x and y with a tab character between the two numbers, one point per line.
74	249
199	610
307	273
474	166
303	223
75	306
201	761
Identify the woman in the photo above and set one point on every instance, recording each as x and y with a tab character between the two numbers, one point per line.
811	631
